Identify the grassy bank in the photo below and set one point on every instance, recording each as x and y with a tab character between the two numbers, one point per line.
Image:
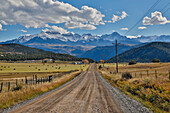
151	92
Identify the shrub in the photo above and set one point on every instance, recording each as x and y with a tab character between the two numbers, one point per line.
156	60
100	67
17	88
126	75
132	62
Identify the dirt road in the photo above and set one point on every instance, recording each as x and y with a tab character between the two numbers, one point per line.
85	94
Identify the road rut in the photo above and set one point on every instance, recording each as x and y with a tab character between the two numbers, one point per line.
86	94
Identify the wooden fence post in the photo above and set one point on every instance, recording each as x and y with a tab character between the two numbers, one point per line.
16	82
36	79
169	74
26	80
41	80
8	86
22	82
156	74
147	72
1	87
141	74
50	78
33	79
135	75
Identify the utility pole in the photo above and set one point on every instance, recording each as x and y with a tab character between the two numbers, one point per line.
117	69
103	59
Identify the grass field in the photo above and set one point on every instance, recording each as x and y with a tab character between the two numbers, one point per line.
150	83
12	71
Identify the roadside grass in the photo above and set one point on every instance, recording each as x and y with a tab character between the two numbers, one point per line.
12	98
151	92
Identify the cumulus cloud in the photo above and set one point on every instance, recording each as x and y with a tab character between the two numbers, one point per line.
117	17
23	30
37	13
56	28
125	29
156	18
73	25
142	27
133	36
1	29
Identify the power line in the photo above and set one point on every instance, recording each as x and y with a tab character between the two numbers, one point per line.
139	31
165	6
166	11
153	6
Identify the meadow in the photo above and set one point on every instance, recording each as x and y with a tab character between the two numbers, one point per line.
12	71
150	83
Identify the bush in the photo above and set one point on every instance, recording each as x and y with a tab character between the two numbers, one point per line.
100	67
17	88
132	62
156	60
126	75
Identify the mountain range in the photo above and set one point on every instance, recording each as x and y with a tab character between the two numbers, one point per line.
84	45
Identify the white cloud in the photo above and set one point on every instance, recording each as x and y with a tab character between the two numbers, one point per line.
23	30
109	21
117	18
73	25
125	29
1	29
56	28
142	27
133	36
37	13
156	18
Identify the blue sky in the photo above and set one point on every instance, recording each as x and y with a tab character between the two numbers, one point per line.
96	18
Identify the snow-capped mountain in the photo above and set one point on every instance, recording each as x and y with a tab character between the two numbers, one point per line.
162	38
52	37
75	44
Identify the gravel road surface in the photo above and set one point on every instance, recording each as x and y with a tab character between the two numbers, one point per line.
88	93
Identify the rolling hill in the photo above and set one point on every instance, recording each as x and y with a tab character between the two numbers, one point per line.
146	53
108	51
19	52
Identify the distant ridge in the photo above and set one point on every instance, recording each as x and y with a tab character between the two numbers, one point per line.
108	51
146	53
16	52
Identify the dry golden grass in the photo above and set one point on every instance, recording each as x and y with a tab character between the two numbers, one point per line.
151	91
11	98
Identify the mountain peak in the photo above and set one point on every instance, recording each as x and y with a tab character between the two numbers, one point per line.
115	34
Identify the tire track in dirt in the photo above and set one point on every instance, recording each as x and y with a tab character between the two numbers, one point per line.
86	94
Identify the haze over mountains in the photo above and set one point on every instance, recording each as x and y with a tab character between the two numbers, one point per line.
86	45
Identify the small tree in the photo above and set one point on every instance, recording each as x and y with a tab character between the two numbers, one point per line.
126	75
132	62
100	67
156	60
